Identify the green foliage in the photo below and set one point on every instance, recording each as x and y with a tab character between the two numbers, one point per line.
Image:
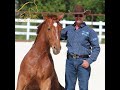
96	7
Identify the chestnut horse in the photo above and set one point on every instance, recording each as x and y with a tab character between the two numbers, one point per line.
37	67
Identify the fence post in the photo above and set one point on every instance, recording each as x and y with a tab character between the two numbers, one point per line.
28	29
64	24
100	31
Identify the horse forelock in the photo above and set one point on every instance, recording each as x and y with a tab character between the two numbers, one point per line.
52	16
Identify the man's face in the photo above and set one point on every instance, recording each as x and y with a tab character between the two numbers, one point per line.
79	18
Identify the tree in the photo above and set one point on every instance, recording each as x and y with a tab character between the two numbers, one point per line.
96	7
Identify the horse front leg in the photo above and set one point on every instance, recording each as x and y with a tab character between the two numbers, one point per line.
45	84
22	82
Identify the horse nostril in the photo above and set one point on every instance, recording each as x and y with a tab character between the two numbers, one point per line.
57	48
54	47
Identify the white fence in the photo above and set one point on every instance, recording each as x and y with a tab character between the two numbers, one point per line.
28	26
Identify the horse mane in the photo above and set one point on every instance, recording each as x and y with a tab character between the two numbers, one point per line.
39	27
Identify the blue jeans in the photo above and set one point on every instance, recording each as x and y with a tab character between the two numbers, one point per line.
73	71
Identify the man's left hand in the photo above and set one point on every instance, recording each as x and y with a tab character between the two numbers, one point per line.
85	64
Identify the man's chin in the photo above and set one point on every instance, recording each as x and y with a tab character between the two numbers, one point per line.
79	22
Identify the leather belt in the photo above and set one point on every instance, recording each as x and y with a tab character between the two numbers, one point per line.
76	56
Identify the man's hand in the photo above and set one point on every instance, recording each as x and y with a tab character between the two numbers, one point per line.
85	64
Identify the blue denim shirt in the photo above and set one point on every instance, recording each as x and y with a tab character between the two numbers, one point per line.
82	42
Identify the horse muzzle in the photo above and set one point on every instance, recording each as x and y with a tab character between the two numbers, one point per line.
56	50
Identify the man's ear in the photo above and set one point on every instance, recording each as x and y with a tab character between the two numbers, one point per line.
60	16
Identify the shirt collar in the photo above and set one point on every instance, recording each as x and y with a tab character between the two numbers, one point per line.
81	26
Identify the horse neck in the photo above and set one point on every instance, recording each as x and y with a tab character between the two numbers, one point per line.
41	43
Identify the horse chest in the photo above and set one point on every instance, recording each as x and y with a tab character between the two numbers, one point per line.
45	66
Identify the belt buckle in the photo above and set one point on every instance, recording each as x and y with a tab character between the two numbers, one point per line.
74	56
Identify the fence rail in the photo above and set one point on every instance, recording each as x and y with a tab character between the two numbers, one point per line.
99	27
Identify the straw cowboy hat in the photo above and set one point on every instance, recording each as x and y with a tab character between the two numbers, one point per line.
78	9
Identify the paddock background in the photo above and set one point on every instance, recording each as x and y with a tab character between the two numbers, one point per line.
97	78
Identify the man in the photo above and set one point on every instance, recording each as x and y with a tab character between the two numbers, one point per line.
83	49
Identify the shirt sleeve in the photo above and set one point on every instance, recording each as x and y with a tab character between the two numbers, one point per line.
63	34
93	38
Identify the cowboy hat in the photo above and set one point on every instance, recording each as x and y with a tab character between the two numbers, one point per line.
78	9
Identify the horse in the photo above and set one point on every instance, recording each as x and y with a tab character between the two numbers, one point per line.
37	70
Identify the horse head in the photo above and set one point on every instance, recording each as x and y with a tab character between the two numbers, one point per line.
53	27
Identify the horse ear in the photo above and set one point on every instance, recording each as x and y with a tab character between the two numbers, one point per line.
44	15
60	16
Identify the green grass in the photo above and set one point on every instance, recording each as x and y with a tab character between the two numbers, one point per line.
23	37
103	41
32	38
20	30
20	37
